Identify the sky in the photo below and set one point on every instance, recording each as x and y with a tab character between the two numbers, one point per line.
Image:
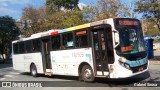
13	8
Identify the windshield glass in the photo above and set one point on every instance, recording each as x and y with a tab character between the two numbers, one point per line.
131	41
132	45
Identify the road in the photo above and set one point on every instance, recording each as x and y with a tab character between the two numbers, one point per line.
157	53
66	83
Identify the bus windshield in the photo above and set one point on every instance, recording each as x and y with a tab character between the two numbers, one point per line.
132	44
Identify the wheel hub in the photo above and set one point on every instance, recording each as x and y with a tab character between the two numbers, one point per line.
33	71
88	73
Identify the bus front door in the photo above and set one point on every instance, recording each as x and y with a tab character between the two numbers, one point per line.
102	50
46	56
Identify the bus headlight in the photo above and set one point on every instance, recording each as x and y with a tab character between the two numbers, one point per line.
122	59
124	65
127	66
121	63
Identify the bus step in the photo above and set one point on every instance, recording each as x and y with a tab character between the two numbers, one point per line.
48	74
102	76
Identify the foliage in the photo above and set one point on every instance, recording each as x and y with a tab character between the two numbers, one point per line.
151	30
57	5
34	18
61	19
106	9
73	18
43	21
8	32
150	10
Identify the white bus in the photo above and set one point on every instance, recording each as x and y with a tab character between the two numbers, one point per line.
111	48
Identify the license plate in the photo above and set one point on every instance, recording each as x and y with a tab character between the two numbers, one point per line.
140	69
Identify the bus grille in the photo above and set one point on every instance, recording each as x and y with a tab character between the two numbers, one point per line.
139	68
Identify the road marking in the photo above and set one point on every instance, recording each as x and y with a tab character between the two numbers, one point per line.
14	73
8	75
2	78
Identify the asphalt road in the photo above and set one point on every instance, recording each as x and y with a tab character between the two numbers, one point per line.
68	83
157	53
65	82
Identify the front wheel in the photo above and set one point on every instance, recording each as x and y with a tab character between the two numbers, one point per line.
87	74
33	70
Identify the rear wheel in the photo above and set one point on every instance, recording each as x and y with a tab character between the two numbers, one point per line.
33	70
87	74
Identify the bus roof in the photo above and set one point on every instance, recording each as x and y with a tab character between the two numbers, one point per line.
57	31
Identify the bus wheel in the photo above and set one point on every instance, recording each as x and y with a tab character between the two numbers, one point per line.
87	74
33	70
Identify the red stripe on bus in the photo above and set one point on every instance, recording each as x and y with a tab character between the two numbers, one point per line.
53	33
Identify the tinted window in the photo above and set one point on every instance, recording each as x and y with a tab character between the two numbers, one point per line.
110	50
36	45
21	48
68	40
55	42
28	46
81	39
15	48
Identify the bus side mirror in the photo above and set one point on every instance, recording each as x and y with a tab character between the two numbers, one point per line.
116	38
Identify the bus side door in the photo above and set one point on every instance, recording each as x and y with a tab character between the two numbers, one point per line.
102	49
46	54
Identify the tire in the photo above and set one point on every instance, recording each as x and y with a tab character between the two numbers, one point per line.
87	74
33	70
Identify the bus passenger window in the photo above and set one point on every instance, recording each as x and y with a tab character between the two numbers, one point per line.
28	47
15	48
36	45
21	47
55	42
68	40
81	39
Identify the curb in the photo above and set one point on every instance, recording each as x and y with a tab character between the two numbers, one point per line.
154	62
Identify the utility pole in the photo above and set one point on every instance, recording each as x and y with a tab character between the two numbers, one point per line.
22	25
131	9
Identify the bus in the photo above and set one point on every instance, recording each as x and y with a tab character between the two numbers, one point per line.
109	48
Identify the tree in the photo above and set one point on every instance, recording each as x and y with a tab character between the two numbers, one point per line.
40	21
149	28
30	15
8	32
106	9
150	10
34	19
56	5
62	19
73	18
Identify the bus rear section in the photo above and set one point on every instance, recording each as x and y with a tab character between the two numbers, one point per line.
26	54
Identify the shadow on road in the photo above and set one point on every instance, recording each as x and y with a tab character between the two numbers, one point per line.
6	64
99	82
125	81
